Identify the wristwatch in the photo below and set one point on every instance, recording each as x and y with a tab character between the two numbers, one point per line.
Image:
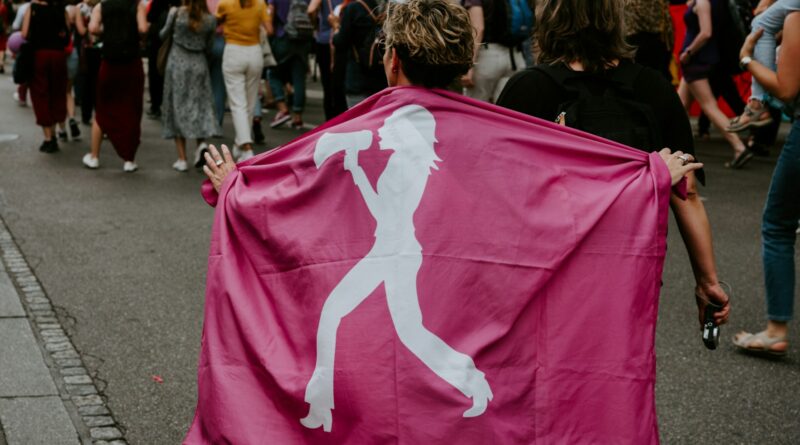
745	61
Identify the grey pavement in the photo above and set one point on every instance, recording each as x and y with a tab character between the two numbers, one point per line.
31	409
122	259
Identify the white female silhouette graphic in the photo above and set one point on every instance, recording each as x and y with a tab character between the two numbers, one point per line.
394	260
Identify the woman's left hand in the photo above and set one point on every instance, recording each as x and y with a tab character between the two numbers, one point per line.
218	166
715	294
679	164
750	43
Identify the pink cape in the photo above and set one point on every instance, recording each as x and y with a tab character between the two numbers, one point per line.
542	253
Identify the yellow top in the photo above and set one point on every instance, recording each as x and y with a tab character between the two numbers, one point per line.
241	25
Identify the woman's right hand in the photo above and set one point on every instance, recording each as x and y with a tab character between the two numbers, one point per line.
218	166
679	164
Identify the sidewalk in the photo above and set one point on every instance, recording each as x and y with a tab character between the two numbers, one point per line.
45	390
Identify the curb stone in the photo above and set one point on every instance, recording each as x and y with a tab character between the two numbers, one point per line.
87	407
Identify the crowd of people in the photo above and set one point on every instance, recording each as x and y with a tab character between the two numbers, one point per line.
205	56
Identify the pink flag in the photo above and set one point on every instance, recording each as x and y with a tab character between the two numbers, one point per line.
430	269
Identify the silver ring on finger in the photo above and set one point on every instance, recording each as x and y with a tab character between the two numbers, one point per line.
684	159
219	162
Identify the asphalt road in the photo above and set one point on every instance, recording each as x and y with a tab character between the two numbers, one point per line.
123	257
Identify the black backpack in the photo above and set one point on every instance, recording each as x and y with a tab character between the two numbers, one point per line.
734	18
615	113
369	53
298	25
508	22
120	31
741	17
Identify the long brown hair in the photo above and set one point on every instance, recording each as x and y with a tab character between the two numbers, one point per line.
588	31
198	9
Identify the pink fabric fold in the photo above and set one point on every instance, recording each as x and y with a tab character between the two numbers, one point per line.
539	256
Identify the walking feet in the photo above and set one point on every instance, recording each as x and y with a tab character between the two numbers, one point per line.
180	165
50	146
318	417
91	162
74	130
742	158
481	395
280	118
258	134
199	159
761	344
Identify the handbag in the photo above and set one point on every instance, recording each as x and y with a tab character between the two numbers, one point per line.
266	51
163	54
164	49
24	64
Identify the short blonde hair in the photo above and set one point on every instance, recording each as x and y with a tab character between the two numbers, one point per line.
433	39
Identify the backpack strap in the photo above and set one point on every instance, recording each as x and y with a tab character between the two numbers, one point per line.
561	76
622	80
369	11
625	76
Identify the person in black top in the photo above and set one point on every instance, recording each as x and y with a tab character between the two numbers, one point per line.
584	41
120	82
350	31
156	17
46	28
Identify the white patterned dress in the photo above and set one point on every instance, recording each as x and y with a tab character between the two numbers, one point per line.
188	107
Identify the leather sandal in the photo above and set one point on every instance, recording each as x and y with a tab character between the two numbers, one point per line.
744	342
740	160
754	119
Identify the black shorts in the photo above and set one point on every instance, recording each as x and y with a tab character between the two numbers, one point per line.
696	71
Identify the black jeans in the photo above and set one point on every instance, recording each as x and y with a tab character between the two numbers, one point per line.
90	68
155	83
333	101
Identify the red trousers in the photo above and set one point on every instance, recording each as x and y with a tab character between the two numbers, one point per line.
48	88
119	103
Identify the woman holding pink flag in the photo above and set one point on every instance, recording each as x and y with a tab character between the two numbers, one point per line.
429	44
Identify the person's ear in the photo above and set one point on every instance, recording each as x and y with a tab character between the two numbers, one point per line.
396	64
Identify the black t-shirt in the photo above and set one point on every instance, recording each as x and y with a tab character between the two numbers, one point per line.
355	25
535	93
48	27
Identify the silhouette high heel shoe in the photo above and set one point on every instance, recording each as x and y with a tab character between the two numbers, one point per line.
481	396
318	417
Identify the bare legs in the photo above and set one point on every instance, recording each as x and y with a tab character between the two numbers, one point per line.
97	139
49	132
700	90
181	164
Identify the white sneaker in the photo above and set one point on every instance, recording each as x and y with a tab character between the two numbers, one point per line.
236	152
90	162
199	159
245	155
180	165
19	102
129	167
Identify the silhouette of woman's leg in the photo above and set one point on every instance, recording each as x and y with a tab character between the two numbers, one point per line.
356	286
454	367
